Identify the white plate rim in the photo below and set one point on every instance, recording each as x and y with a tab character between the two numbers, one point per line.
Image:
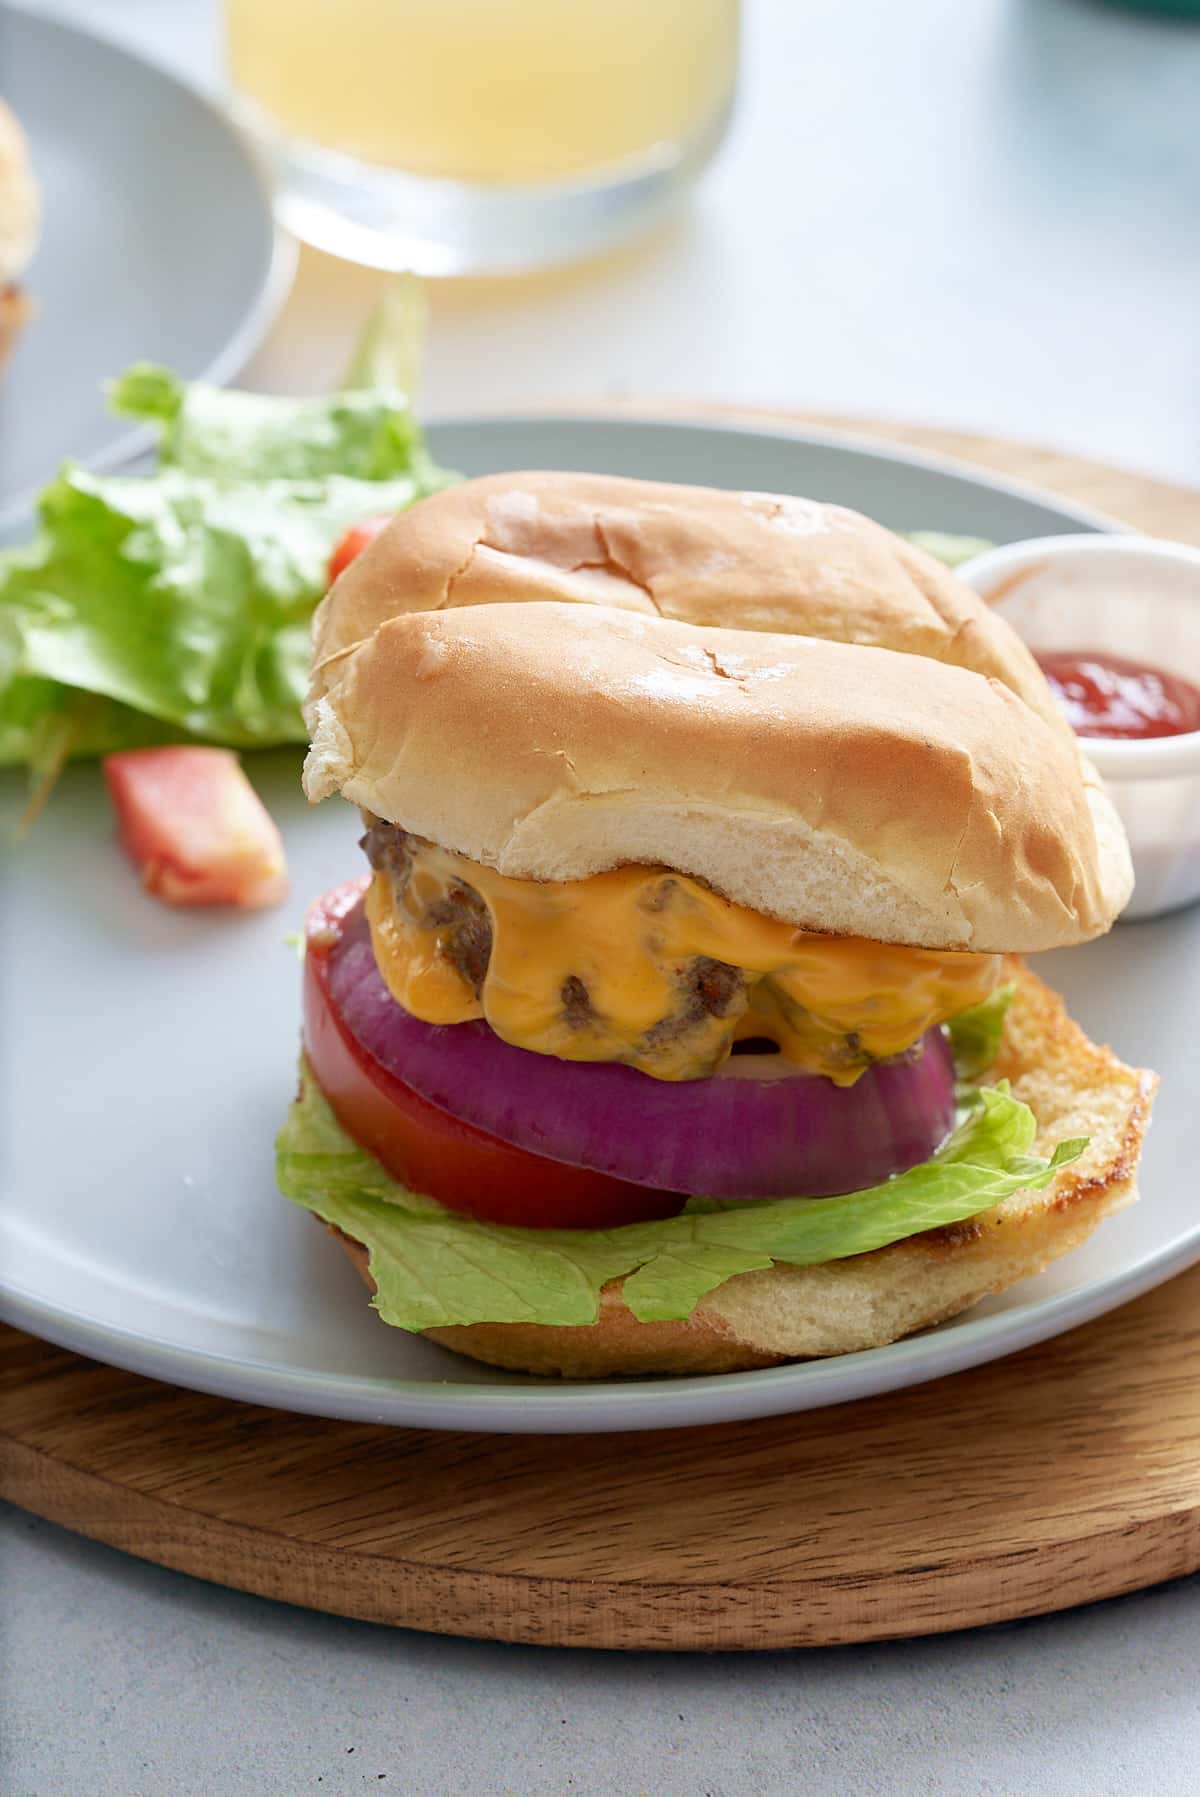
591	1406
856	439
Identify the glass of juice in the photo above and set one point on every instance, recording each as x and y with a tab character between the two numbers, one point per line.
479	136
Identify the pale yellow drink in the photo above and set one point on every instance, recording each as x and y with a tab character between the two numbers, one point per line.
486	91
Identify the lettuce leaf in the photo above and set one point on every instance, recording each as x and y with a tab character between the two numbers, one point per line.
433	1267
390	349
944	546
229	436
182	599
177	604
975	1034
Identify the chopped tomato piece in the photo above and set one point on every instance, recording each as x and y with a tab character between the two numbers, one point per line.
352	543
195	828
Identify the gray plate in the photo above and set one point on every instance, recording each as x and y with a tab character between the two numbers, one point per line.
148	1057
157	244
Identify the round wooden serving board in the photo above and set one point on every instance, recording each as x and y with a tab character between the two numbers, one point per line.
1065	1474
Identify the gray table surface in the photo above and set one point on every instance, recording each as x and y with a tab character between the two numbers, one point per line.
984	215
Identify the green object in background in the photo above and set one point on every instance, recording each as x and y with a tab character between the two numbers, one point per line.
1175	9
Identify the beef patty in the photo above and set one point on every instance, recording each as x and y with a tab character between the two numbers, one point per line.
706	988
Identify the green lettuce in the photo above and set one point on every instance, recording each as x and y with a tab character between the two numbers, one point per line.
975	1034
177	604
228	436
433	1267
180	598
948	548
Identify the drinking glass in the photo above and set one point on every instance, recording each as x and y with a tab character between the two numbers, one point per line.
478	136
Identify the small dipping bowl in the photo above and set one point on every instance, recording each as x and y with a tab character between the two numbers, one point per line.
1139	598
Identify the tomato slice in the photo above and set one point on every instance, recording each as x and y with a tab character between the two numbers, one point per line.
195	828
427	1148
353	541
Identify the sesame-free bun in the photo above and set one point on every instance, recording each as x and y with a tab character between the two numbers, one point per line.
1073	1087
699	555
843	788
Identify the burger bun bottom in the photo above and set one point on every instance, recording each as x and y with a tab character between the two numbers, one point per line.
1073	1087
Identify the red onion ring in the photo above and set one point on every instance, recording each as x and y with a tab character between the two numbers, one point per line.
743	1137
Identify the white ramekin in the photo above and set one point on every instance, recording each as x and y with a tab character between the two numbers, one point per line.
1137	597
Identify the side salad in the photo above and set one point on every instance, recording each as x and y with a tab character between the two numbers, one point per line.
175	605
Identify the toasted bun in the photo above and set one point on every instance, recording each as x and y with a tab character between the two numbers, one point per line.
20	201
795	1313
699	555
839	787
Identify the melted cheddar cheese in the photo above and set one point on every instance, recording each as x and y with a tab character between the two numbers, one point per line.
620	967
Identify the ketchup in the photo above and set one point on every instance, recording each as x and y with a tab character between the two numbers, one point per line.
1106	695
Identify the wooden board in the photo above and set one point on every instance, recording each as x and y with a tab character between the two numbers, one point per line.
1058	1476
1062	1475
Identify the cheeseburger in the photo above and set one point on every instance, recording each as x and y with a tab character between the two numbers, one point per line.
679	1022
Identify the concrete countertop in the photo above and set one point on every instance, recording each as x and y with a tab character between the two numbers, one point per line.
123	1680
